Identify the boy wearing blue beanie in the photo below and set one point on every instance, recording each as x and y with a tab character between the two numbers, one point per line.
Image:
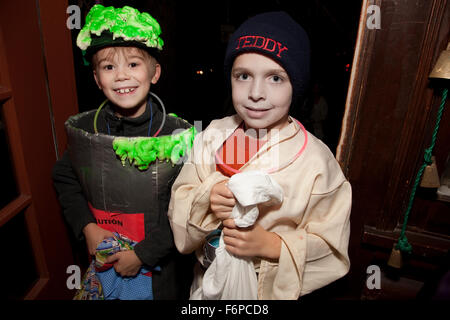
300	244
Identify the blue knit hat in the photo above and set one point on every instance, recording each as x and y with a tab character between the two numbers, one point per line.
278	36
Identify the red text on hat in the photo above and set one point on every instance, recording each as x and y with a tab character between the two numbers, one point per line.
260	42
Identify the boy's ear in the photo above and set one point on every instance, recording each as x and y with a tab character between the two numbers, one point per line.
157	73
96	79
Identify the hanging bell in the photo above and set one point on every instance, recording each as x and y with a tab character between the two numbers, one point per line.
430	177
441	69
395	260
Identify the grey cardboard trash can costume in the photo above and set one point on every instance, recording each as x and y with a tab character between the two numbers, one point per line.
116	172
118	178
123	181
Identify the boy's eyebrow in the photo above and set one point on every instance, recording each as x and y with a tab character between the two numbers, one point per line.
270	71
135	56
239	69
102	60
276	70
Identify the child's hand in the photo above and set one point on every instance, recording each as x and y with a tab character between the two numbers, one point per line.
253	241
94	235
126	263
221	200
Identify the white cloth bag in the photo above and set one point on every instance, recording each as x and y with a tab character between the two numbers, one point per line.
229	277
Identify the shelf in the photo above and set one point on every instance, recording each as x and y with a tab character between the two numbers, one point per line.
424	244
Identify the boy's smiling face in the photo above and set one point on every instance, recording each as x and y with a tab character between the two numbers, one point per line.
125	74
261	91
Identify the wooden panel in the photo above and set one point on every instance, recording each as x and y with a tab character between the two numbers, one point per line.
24	200
390	113
13	208
18	280
357	88
391	77
29	127
58	59
392	109
419	117
5	93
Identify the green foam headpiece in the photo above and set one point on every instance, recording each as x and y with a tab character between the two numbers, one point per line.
109	26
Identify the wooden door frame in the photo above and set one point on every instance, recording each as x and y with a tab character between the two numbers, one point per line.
24	200
37	94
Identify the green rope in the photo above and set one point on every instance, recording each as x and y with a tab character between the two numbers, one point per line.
403	244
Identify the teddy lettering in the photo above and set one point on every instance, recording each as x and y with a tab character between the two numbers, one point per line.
261	43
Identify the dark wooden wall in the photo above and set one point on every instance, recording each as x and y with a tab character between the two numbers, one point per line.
391	111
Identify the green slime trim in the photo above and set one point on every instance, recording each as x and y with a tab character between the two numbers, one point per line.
125	22
142	151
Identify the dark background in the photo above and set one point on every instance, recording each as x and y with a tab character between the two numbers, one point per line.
196	34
